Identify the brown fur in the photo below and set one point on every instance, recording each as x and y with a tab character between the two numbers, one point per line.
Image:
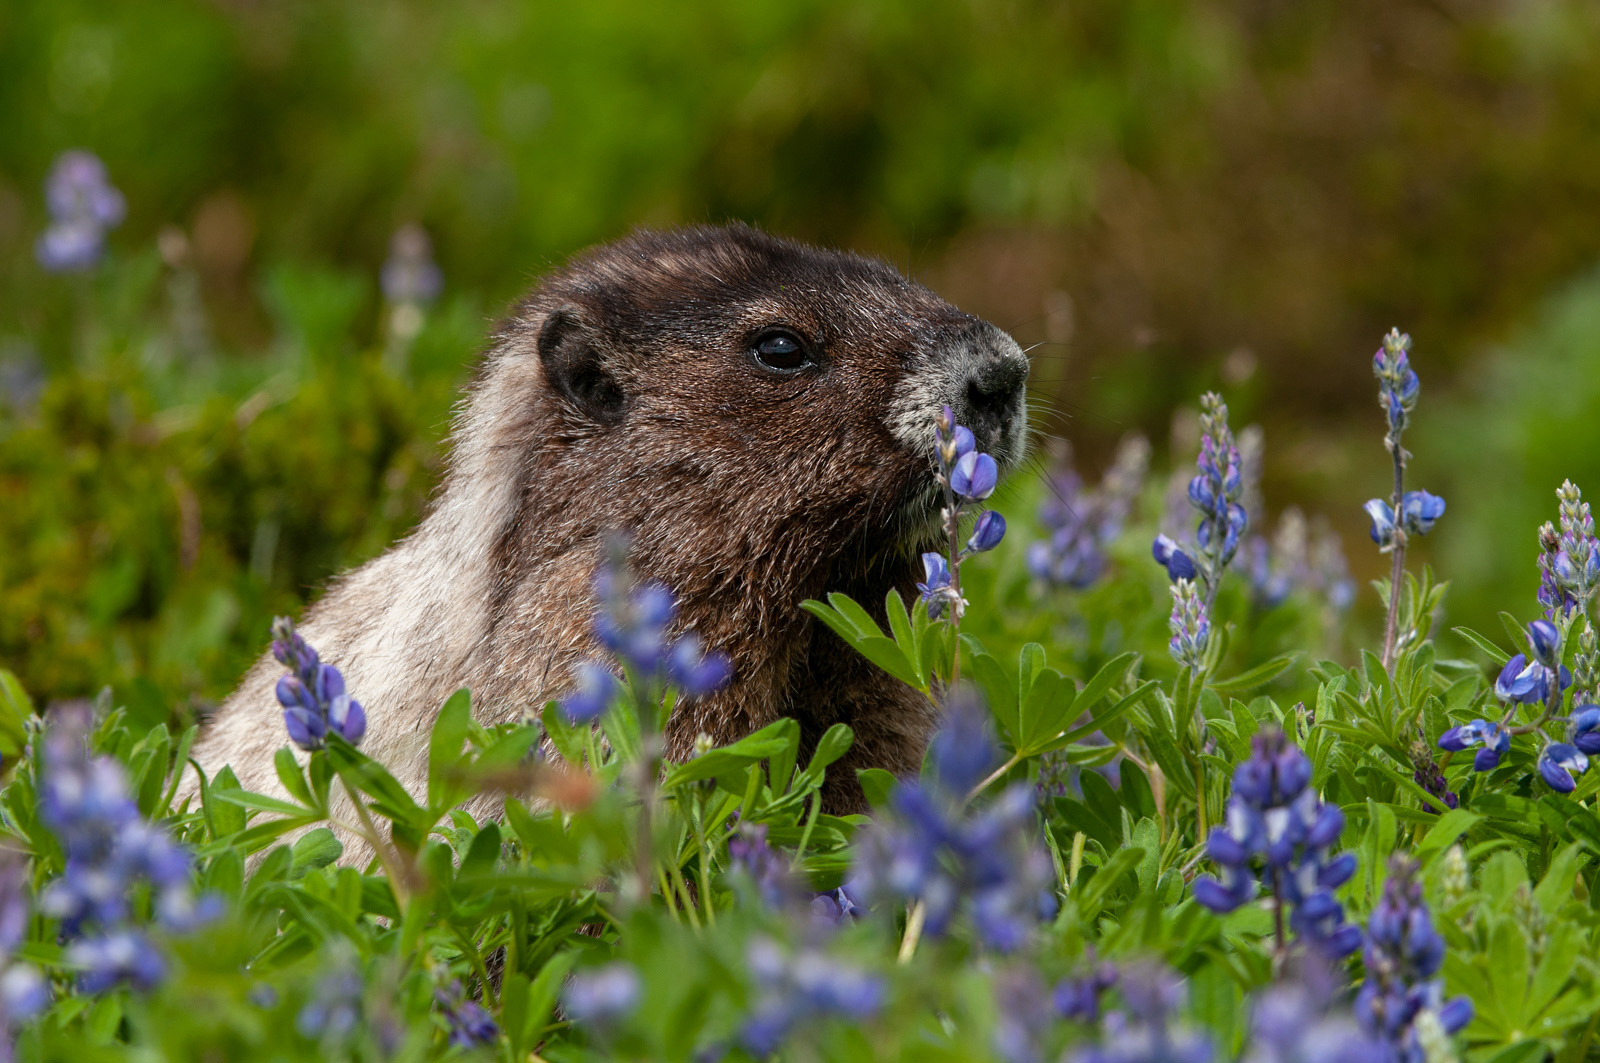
621	395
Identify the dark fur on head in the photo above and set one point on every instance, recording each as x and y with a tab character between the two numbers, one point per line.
628	394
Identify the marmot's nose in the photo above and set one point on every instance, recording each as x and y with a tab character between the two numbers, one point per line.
991	397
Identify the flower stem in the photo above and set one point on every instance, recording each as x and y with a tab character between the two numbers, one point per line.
1397	570
1016	758
369	831
914	920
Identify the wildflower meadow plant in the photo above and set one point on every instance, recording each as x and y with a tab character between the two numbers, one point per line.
83	205
1262	855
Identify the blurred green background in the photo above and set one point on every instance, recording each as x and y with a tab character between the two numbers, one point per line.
1157	196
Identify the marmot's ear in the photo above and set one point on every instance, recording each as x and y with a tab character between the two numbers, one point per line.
574	366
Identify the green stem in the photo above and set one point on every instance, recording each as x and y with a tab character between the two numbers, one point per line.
914	921
998	773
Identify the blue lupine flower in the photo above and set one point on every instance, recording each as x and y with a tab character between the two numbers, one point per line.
23	990
986	533
334	1010
1402	957
1528	683
1215	493
121	956
313	696
1171	556
1585	727
1398	385
1544	638
110	849
1493	737
1297	1020
1559	763
1569	561
1274	818
802	988
1144	1033
409	275
1382	531
974	476
602	996
935	849
466	1020
83	205
634	624
837	906
1420	510
750	855
1190	627
937	590
1083	523
595	690
1077	999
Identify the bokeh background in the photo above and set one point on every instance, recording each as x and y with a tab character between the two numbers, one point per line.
1158	197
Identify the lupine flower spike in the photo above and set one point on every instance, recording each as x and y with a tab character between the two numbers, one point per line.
1402	996
1215	493
313	696
967	476
1276	822
83	205
634	623
1083	523
1405	513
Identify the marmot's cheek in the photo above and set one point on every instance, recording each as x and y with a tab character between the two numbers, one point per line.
982	375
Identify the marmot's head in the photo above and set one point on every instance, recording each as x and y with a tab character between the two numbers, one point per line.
756	414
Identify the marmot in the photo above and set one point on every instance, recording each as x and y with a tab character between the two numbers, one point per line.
755	415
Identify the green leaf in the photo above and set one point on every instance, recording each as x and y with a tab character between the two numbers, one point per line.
373	779
260	803
887	654
1514	629
855	614
569	739
876	784
1443	834
1092	896
1260	675
292	776
835	743
766	743
15	710
1555	889
542	995
1484	643
904	633
1103	680
314	849
444	747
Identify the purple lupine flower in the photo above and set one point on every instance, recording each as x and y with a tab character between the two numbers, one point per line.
1143	1031
837	906
335	1008
1572	555
121	956
1525	682
800	988
938	588
1419	510
83	205
1585	728
1077	998
1082	523
1544	639
315	702
1427	774
602	996
750	855
953	858
1275	820
986	533
23	990
1190	627
1297	1019
634	623
974	476
466	1020
85	801
1398	385
1170	556
1558	765
1403	955
410	275
1215	493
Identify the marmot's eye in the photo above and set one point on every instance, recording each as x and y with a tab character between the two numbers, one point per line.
781	351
